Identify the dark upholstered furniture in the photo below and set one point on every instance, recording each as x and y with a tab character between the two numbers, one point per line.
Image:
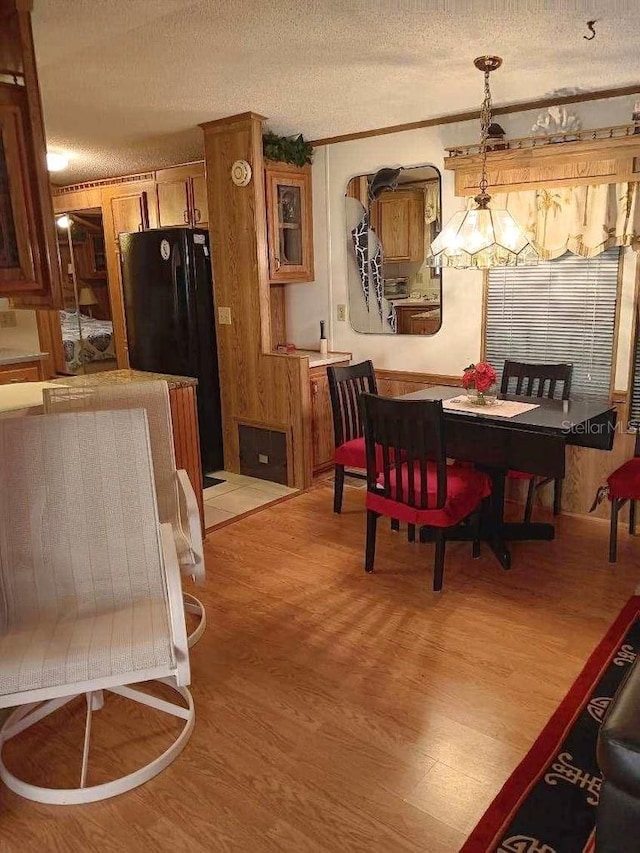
618	822
408	477
552	381
346	384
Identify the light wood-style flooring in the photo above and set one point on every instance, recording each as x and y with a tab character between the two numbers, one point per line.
338	711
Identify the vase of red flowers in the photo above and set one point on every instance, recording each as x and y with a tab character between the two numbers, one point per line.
480	381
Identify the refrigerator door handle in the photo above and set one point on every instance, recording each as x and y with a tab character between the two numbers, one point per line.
182	336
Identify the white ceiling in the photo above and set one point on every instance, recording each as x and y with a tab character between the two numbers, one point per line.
126	82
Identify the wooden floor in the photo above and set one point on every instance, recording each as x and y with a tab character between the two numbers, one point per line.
338	711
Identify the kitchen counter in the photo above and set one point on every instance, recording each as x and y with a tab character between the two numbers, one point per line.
317	360
111	377
22	398
14	356
420	304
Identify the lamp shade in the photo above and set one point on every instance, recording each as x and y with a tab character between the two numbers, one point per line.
87	296
482	238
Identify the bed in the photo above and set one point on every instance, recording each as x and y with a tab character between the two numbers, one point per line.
94	344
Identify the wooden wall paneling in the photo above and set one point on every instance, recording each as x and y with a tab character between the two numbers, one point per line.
50	338
278	315
255	385
184	416
394	383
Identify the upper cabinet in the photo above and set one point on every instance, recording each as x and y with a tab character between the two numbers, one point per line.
182	196
289	222
398	220
28	254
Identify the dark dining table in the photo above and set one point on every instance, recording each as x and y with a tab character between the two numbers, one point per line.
534	442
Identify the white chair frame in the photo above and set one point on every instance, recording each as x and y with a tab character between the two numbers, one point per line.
36	703
185	513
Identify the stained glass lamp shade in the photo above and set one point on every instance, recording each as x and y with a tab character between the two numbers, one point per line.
482	237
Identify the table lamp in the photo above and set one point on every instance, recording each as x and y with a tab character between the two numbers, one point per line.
87	298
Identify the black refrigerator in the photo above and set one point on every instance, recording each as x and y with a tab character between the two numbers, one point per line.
168	298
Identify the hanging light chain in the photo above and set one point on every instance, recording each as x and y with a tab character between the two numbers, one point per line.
485	122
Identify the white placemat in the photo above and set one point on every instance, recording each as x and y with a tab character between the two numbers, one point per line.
499	409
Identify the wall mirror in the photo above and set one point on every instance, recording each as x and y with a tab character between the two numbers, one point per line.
85	324
392	217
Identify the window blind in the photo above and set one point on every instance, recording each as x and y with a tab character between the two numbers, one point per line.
558	311
634	408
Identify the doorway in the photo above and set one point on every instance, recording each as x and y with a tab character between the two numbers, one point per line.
86	320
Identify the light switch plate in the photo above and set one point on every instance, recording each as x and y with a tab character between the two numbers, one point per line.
341	312
224	316
262	457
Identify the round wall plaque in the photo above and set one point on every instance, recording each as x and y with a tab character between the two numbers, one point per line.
241	173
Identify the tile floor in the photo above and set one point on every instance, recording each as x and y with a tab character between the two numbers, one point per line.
238	494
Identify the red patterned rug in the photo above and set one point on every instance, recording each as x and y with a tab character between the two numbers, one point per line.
548	804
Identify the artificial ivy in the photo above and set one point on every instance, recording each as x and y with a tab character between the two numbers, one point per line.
287	149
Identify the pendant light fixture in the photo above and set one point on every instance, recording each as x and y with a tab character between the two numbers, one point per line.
481	238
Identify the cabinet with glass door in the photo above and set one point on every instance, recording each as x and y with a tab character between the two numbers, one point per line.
28	262
289	222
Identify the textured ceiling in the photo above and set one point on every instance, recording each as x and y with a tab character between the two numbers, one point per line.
125	82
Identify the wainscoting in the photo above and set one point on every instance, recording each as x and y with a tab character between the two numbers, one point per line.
586	469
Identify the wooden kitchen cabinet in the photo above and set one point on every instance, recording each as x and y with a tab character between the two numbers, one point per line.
129	213
22	371
398	220
125	207
322	436
289	222
417	319
182	196
28	254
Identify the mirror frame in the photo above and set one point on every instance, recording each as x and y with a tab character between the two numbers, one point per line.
437	274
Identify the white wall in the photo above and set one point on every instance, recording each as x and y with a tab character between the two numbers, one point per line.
458	341
24	336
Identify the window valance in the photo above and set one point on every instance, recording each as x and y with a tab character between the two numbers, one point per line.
585	220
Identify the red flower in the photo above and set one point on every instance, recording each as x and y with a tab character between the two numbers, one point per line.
480	376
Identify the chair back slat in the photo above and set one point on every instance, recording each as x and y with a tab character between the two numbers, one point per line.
346	386
552	381
153	397
78	517
409	436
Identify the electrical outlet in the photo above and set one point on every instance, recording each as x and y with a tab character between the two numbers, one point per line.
224	316
262	457
8	320
341	312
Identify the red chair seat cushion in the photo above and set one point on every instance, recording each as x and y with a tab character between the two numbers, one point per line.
466	487
353	454
519	475
625	481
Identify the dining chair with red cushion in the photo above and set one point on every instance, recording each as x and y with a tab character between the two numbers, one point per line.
551	381
413	483
346	385
624	485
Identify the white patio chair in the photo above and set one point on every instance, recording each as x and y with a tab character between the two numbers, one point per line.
177	503
90	591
